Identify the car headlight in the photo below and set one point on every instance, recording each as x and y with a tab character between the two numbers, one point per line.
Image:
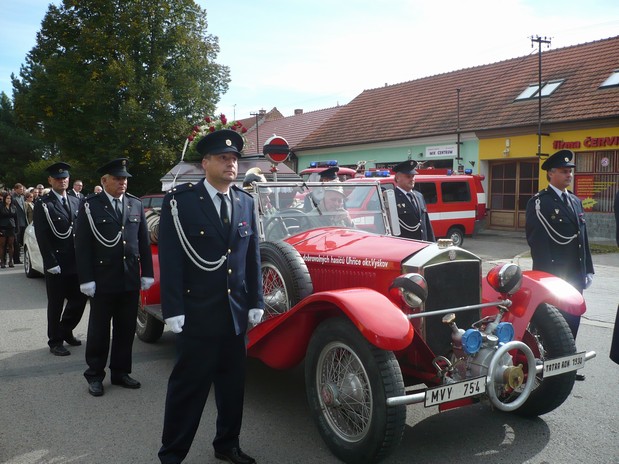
506	278
411	288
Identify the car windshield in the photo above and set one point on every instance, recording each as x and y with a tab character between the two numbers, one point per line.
287	209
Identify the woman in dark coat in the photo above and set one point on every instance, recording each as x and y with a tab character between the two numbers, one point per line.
8	220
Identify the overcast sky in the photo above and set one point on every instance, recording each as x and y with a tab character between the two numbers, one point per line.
315	54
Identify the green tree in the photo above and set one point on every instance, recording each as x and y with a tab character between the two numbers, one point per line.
120	78
17	146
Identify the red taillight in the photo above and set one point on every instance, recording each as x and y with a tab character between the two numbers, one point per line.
481	211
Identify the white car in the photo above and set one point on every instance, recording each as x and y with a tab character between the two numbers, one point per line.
33	261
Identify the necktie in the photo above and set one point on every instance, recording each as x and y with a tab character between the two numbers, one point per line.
119	212
223	213
413	202
564	195
65	204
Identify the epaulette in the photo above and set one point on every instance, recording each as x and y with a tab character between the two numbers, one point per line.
132	196
546	191
186	187
238	189
92	195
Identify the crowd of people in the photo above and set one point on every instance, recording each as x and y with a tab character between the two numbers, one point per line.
17	211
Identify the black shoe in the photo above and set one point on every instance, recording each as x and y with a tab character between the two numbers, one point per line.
126	382
59	350
95	388
580	377
71	340
235	455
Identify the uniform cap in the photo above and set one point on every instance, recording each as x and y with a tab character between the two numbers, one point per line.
220	141
329	174
334	188
561	159
59	170
117	167
406	167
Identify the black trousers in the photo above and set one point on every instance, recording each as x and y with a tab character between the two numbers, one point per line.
200	362
118	310
61	321
19	241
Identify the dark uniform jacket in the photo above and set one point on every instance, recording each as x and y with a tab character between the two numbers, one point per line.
56	251
570	260
117	268
214	302
414	224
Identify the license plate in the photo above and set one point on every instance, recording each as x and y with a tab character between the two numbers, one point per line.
565	364
455	391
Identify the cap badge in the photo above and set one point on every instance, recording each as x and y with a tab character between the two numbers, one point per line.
229	142
124	162
566	159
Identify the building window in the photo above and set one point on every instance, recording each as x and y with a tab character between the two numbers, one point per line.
548	89
612	81
596	179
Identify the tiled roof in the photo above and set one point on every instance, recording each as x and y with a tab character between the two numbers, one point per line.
428	106
293	128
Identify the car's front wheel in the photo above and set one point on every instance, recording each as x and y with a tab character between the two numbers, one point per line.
456	235
549	336
148	328
348	381
28	269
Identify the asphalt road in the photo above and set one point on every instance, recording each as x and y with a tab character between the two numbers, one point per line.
47	416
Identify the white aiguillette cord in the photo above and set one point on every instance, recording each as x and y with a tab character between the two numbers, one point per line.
110	243
61	236
546	225
191	253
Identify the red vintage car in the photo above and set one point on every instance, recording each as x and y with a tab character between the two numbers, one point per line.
383	322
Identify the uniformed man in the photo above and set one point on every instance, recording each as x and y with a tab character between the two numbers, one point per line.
332	208
329	175
211	285
53	218
313	198
113	261
412	211
556	229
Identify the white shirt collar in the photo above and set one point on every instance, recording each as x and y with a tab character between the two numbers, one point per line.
111	198
557	191
212	191
60	197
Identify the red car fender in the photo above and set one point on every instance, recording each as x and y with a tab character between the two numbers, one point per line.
281	342
537	287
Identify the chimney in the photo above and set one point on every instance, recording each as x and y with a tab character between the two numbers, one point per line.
298	111
262	112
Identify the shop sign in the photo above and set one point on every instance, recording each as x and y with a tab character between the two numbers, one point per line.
443	151
588	142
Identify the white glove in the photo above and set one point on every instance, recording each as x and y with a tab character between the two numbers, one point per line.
54	270
588	280
255	315
176	323
88	288
147	282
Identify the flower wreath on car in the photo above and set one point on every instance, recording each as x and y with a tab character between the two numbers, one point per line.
208	125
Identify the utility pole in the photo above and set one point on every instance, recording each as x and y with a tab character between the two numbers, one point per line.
458	142
539	40
256	114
